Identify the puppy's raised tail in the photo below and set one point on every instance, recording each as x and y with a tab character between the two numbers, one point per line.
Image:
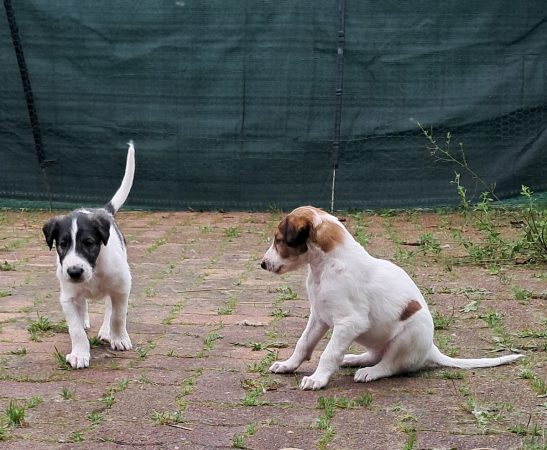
438	358
123	191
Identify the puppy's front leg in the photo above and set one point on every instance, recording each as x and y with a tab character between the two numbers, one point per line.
342	337
315	330
119	339
74	310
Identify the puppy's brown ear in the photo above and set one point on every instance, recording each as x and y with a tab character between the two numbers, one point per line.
297	231
102	223
51	231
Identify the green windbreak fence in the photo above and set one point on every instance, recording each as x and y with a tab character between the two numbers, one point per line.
257	104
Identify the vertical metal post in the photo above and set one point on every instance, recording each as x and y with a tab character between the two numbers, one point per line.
339	81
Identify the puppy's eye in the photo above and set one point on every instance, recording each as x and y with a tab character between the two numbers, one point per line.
63	244
89	242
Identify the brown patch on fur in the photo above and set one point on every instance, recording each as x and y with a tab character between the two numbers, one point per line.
328	236
412	307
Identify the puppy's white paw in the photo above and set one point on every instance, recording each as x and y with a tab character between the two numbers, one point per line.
282	367
87	324
104	334
312	384
121	343
78	360
367	374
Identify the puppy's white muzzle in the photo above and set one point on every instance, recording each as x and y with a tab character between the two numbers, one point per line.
75	269
272	262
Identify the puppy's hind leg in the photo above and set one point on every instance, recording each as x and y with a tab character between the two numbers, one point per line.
87	323
406	352
104	331
119	339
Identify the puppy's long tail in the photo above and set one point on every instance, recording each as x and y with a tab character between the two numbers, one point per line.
438	358
123	191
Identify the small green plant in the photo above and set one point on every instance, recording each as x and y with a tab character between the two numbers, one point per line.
238	441
535	225
529	333
285	293
33	402
95	417
440	321
61	360
15	414
539	386
492	319
443	342
43	326
150	291
449	374
155	245
67	394
279	313
521	294
429	243
121	385
263	365
166	417
172	314
210	339
228	307
252	397
94	341
473	305
108	399
501	337
406	423
4	293
329	405
76	436
6	267
22	351
231	233
143	351
525	430
359	230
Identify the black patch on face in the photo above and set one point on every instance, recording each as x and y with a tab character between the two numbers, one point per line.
93	230
289	241
58	230
296	236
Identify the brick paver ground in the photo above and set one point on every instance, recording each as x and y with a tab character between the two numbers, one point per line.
206	322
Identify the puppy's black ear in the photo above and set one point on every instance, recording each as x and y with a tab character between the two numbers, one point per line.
102	223
51	231
296	232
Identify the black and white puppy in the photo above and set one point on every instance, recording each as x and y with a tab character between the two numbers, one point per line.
92	264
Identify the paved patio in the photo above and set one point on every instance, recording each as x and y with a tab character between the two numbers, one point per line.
206	322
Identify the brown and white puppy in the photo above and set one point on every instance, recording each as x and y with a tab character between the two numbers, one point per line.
361	298
92	264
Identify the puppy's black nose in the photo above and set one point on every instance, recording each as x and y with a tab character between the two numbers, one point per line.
263	265
75	272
